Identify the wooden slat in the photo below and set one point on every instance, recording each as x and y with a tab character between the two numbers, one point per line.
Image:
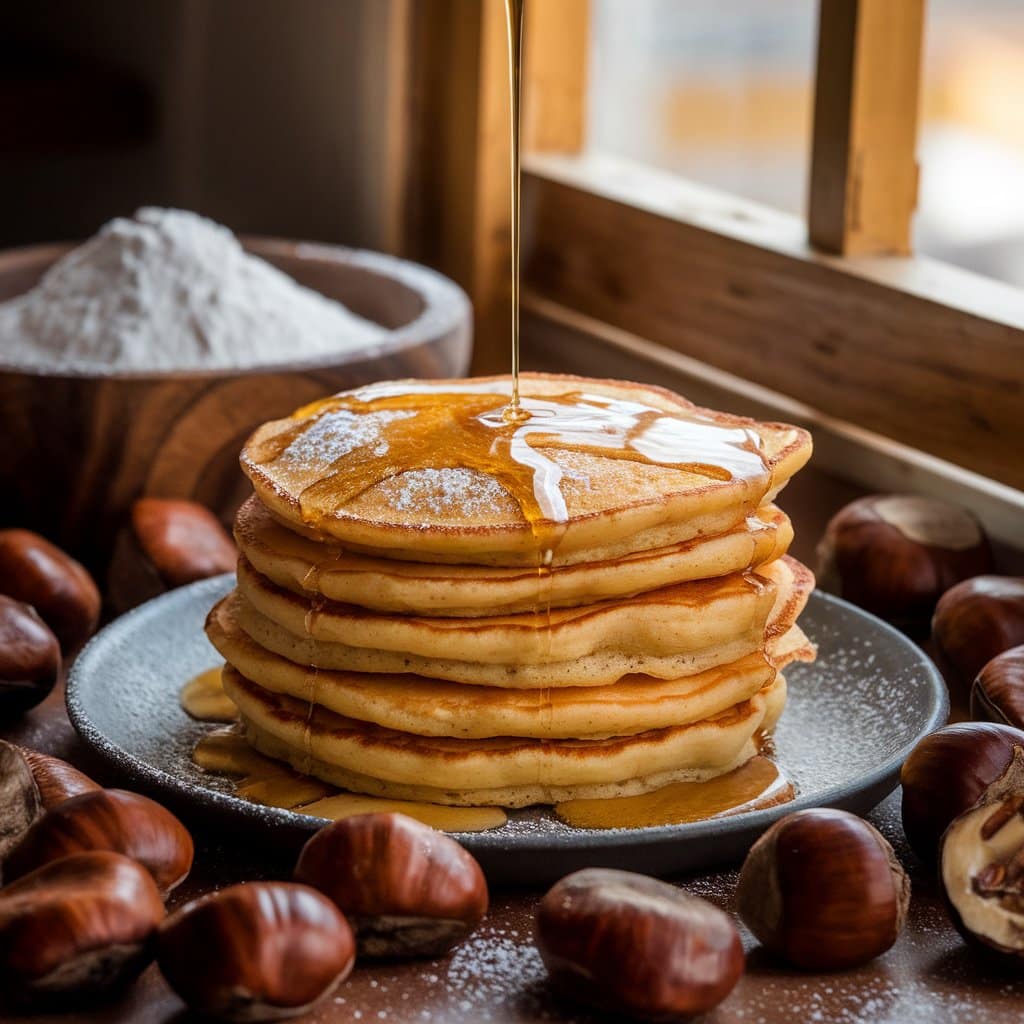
864	171
560	340
923	353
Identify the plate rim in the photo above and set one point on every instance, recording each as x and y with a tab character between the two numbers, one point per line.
532	842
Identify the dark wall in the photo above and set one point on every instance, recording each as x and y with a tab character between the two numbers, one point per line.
264	114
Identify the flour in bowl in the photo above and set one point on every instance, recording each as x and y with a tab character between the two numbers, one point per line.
170	290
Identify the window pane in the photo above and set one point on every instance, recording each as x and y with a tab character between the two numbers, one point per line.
971	206
716	90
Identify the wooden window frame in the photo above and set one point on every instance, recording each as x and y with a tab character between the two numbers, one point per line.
908	370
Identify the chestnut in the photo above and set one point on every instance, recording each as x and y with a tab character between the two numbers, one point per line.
77	927
56	780
946	773
974	621
632	945
107	819
896	554
29	658
998	691
982	866
407	889
823	890
60	589
256	951
167	543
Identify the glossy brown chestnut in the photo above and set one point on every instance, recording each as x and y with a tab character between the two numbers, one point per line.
107	819
982	866
974	621
631	945
56	779
168	543
823	890
998	692
946	773
80	926
407	889
256	951
29	658
896	554
37	572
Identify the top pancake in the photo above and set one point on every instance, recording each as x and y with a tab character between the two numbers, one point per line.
429	471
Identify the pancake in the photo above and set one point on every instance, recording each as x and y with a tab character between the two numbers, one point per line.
305	567
429	470
696	635
671	620
431	707
507	772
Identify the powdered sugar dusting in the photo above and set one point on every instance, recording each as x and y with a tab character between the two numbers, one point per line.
452	492
336	434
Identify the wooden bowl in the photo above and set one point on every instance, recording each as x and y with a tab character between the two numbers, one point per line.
77	448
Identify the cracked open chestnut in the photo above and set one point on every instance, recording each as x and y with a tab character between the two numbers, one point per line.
823	890
256	951
982	866
79	926
407	889
107	819
631	945
947	773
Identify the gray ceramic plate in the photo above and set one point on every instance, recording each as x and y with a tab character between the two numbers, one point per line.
851	719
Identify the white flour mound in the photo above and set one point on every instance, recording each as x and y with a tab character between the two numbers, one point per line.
170	290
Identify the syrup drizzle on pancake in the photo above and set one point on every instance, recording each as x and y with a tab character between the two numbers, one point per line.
418	425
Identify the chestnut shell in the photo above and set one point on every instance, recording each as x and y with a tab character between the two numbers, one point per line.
974	621
29	658
823	890
947	773
407	889
998	692
635	946
256	951
107	819
77	927
879	568
59	588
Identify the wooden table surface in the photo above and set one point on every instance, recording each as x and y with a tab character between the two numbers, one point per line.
496	975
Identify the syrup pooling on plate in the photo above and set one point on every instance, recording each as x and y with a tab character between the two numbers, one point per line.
204	699
756	784
382	432
264	781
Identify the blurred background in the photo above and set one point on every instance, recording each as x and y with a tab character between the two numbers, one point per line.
270	116
721	91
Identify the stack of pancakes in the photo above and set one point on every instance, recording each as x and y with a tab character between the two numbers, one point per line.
435	604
